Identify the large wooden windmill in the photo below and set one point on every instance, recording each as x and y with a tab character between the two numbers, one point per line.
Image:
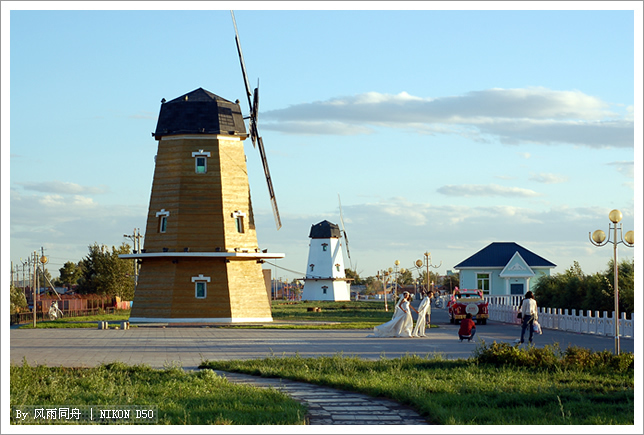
201	261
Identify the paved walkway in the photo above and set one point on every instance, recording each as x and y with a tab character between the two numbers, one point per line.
189	346
329	406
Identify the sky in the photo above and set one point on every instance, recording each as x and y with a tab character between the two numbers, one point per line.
441	128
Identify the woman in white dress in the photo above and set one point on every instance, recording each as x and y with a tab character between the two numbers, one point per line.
400	324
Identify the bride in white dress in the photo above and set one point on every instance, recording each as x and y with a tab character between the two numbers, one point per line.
401	324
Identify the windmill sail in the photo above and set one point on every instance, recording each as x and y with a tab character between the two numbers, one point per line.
253	103
344	234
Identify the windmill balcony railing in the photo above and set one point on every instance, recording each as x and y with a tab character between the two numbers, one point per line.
505	309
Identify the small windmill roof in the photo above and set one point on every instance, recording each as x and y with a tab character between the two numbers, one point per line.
325	230
498	254
199	112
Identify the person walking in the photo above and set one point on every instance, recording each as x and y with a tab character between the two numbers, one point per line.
529	314
423	308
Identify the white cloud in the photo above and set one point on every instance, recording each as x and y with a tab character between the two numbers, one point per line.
511	116
67	224
549	178
627	169
396	228
485	190
62	187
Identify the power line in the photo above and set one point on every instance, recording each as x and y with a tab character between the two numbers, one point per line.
283	268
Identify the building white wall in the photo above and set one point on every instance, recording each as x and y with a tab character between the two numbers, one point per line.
326	290
324	272
327	263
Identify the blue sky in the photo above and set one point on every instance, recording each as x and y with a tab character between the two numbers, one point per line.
441	130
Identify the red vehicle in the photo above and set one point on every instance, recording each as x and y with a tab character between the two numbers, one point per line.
465	301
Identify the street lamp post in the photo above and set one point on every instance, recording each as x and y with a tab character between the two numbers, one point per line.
385	274
396	264
599	238
427	262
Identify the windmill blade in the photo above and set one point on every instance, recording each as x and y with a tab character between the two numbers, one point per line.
269	182
253	110
253	103
344	232
241	60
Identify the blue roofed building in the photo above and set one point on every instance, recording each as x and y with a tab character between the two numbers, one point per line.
503	268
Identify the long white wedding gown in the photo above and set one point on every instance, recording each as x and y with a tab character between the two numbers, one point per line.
400	324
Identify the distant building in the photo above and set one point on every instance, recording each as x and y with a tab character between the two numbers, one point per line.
503	268
325	279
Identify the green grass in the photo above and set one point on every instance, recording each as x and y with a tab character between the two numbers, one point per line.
333	315
462	392
80	321
340	315
181	398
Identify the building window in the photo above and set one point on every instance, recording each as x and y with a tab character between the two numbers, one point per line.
201	161
239	220
337	267
483	282
163	220
325	246
324	289
311	266
200	289
201	286
201	165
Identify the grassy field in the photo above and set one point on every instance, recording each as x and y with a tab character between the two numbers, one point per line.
502	385
181	398
81	321
331	315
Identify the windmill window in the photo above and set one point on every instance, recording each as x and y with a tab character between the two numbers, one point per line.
201	161
337	267
325	246
239	220
163	220
324	289
312	266
201	286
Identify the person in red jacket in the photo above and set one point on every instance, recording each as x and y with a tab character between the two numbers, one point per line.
468	328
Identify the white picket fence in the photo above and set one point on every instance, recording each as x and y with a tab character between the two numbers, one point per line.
505	309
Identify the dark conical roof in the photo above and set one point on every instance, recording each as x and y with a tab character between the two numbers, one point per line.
200	112
325	230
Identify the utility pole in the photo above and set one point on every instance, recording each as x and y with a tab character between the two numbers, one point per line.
136	242
34	286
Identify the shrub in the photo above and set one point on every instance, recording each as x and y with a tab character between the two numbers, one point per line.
550	357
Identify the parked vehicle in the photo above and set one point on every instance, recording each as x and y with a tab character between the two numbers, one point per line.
465	301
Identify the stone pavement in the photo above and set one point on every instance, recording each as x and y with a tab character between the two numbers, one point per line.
328	406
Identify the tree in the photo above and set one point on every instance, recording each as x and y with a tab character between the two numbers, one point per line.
574	290
433	277
350	273
18	301
44	277
104	273
405	278
374	285
70	273
451	281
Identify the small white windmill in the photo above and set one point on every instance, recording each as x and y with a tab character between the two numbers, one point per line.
325	278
